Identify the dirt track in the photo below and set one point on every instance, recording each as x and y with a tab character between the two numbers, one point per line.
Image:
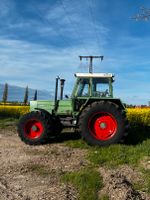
33	172
28	172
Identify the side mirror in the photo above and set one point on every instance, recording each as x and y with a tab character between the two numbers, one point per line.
66	96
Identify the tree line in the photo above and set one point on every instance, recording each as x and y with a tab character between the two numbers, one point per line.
26	94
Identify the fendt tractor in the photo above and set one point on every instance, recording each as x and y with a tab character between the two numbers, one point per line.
91	110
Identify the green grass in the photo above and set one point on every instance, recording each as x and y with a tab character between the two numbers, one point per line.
43	152
3	120
39	169
146	177
79	143
87	181
115	155
7	122
104	197
144	186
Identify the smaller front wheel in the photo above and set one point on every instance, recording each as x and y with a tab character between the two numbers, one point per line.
34	128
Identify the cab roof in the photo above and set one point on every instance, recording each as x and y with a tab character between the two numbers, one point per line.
94	75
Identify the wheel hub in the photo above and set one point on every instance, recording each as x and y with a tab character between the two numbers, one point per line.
102	125
34	128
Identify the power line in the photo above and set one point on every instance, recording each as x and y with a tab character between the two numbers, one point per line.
134	4
93	20
71	22
57	30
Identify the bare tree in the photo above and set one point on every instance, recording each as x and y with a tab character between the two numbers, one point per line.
5	93
144	14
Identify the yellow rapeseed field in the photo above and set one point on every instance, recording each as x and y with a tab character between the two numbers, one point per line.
13	111
136	116
139	116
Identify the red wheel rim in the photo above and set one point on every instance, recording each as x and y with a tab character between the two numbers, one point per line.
33	129
103	126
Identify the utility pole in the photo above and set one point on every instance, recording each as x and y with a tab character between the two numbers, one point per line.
91	61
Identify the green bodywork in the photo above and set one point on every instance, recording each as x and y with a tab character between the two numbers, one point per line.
86	91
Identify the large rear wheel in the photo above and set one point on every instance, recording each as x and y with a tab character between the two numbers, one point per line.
35	128
102	123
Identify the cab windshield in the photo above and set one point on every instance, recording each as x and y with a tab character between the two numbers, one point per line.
100	87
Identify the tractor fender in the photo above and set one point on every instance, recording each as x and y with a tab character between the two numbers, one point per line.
44	111
113	100
56	124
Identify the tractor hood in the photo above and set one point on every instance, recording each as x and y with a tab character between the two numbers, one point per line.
47	105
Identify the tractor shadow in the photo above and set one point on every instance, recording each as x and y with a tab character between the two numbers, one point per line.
137	134
65	136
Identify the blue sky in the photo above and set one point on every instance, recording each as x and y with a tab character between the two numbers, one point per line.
40	39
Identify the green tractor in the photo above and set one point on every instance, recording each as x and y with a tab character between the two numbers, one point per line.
92	110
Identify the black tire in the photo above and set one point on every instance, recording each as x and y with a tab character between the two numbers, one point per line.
102	123
58	126
42	125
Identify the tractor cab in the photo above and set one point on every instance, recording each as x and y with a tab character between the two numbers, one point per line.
94	85
88	86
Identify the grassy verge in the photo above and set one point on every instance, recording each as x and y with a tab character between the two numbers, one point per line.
146	177
136	147
39	169
114	155
7	122
87	181
104	197
132	153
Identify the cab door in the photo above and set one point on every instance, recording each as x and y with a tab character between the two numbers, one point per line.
82	93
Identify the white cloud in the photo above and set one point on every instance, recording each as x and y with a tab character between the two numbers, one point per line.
37	62
24	63
27	63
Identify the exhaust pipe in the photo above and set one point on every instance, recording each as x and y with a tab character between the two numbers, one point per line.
62	82
56	91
